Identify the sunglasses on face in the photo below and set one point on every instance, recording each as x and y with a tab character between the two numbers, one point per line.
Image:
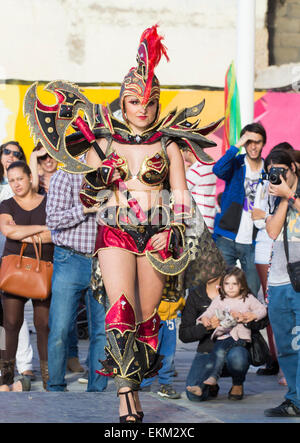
16	154
44	157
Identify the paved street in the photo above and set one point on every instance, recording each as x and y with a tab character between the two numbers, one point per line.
78	406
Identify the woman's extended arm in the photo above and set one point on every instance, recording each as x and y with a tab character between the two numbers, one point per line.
34	167
260	206
182	197
274	223
18	232
44	236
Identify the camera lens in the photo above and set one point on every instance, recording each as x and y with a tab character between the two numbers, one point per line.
274	178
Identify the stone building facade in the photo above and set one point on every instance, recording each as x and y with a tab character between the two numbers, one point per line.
283	22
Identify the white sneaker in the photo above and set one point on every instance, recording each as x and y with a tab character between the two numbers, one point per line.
83	379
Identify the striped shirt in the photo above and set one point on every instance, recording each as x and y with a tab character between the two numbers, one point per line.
201	182
69	225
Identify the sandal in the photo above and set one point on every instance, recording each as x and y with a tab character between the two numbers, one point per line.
134	417
236	396
140	415
282	381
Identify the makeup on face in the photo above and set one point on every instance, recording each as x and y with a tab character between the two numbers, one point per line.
139	116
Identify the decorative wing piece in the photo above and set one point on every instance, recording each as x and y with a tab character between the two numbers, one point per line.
186	134
175	126
49	124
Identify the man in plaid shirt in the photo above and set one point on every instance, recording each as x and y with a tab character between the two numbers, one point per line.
73	231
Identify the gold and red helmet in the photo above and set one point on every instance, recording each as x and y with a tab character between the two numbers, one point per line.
141	80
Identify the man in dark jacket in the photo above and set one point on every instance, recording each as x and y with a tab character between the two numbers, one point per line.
234	229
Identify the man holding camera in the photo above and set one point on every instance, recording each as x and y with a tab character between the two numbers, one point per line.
283	226
234	229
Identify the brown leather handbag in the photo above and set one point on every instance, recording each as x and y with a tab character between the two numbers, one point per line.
25	276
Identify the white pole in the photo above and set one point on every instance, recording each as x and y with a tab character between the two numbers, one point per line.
245	58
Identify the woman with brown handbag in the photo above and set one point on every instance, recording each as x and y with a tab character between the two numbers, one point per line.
10	152
21	218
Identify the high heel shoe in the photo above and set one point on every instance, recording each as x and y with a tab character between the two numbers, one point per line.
137	404
132	418
140	415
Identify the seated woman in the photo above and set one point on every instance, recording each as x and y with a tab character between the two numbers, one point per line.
237	359
21	385
22	217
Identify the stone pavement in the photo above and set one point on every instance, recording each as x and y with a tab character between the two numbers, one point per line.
78	406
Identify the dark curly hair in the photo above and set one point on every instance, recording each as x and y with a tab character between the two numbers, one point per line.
241	279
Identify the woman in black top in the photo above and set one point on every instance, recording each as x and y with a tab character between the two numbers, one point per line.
21	217
237	360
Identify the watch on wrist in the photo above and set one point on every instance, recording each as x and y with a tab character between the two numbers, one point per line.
292	199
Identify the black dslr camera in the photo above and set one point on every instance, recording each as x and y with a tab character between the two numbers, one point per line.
274	175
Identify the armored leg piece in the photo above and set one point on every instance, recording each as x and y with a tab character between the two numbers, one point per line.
121	362
147	343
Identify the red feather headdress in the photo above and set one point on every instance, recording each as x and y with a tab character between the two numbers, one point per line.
149	54
141	81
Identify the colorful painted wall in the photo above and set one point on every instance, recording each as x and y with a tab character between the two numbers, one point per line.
13	125
277	111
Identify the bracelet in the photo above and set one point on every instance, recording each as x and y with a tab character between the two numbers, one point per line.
292	199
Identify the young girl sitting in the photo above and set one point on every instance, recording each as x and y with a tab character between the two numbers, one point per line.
237	307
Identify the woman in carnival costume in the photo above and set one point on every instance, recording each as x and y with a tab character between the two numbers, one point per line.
149	230
134	255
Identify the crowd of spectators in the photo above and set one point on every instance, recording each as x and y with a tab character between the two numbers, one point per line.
249	221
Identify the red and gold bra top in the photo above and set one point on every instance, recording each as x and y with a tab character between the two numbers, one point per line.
152	172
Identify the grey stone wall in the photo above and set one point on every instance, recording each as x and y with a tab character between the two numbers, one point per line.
284	31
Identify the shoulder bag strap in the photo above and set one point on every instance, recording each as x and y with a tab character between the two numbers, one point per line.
23	247
36	254
285	240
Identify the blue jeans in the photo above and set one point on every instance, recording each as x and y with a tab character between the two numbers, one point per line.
232	252
73	342
219	353
167	348
237	363
71	276
284	314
